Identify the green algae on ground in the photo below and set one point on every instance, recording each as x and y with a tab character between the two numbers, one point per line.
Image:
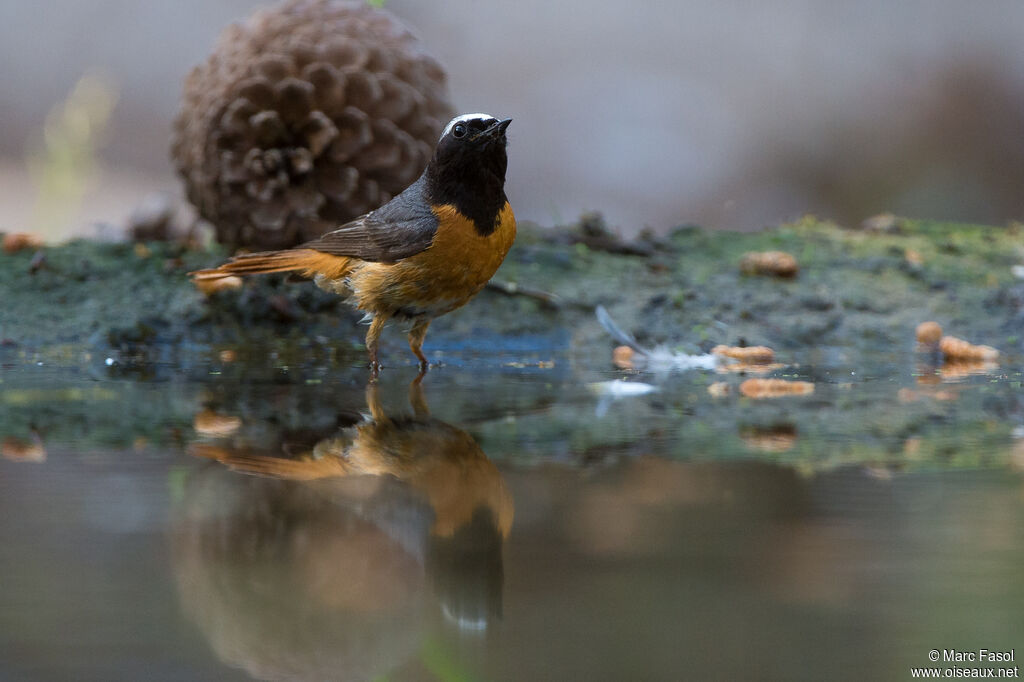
109	296
855	289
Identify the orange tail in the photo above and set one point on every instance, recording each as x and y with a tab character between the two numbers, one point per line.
306	469
307	261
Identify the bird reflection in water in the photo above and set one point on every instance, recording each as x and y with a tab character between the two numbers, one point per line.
316	566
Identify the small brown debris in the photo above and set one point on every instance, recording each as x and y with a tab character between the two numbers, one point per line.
957	349
913	258
719	389
929	333
19	241
153	219
953	370
883	222
909	395
172	264
211	286
754	355
18	450
141	250
774	388
622	357
227	355
594	233
777	263
658	268
210	423
776	438
748	368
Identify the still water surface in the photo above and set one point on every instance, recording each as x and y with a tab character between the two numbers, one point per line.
234	520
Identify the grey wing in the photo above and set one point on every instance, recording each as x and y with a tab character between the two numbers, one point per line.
400	228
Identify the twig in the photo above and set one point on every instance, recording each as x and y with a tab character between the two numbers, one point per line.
546	299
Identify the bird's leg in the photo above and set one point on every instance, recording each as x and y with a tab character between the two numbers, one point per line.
416	398
373	342
377	412
416	336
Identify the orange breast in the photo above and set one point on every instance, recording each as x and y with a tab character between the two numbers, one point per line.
446	275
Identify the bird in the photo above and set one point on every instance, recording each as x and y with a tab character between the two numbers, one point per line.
424	253
440	461
420	480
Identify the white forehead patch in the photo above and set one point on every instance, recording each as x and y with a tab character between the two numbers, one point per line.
463	119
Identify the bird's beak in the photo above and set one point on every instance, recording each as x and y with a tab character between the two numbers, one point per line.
497	130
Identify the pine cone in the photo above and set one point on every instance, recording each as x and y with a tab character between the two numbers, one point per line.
307	115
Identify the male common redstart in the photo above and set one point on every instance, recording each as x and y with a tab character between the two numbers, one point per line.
426	252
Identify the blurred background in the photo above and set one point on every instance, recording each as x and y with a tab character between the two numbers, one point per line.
657	113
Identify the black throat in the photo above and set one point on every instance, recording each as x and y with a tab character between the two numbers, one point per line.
473	181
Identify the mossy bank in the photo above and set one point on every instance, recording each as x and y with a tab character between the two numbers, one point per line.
859	290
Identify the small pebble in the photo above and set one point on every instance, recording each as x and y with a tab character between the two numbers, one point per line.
777	263
754	355
957	349
719	389
774	388
883	222
622	357
18	241
929	333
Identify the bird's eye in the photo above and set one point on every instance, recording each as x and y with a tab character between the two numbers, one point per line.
459	130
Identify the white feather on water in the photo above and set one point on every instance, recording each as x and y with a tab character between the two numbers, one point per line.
658	359
620	388
610	391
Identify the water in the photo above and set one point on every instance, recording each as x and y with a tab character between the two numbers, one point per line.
501	521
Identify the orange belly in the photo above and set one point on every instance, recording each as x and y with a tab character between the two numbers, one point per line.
445	276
